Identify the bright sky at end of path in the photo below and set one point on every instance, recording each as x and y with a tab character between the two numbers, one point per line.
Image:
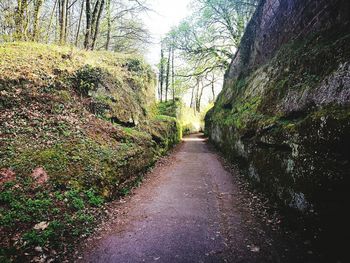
166	14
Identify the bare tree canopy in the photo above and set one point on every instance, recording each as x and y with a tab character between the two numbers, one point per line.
90	24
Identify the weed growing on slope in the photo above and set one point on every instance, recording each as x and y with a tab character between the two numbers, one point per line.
44	217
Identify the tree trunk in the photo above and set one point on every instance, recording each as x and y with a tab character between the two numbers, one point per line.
167	80
92	23
161	73
50	23
173	73
20	19
37	6
97	24
213	90
79	23
67	19
109	24
88	24
213	86
63	21
192	98
200	97
197	98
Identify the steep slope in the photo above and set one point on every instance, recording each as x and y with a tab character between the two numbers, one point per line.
284	111
76	128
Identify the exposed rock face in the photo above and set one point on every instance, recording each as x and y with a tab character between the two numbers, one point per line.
123	101
285	107
277	22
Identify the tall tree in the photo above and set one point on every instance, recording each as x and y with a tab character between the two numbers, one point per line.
167	78
161	72
88	24
92	23
97	24
37	7
20	20
63	21
212	82
50	21
173	73
79	23
109	24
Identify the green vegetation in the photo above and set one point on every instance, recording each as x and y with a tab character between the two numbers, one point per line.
77	129
190	120
44	217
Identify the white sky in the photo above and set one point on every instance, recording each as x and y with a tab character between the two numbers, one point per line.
168	13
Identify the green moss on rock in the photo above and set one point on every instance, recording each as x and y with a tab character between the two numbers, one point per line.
288	122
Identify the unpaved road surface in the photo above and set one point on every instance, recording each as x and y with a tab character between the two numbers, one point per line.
188	210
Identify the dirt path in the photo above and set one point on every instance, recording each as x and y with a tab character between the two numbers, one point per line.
188	210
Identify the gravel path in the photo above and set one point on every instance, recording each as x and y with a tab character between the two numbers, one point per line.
189	210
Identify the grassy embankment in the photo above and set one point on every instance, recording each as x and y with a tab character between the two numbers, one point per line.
77	129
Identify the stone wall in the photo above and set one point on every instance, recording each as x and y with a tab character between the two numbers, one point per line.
284	112
276	22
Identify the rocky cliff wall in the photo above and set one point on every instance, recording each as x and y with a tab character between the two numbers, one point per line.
284	111
277	22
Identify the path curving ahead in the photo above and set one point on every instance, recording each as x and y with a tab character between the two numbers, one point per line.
189	210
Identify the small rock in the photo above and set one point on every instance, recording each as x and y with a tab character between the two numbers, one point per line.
6	175
41	226
40	176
